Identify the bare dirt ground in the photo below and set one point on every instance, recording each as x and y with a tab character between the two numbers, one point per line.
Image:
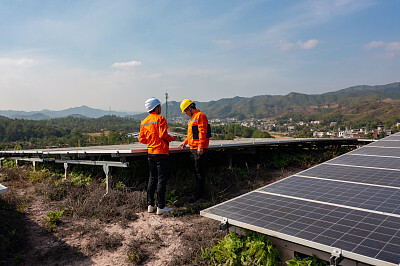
148	240
145	239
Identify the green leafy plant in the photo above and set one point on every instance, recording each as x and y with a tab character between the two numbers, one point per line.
119	185
53	219
307	261
39	175
251	249
80	180
171	198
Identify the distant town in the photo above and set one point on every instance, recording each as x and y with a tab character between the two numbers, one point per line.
316	129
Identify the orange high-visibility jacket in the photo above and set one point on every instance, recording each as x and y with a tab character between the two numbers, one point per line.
154	133
199	131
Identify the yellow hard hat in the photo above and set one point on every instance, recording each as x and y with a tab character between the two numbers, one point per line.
185	104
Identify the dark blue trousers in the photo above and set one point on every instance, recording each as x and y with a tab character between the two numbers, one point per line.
158	168
199	171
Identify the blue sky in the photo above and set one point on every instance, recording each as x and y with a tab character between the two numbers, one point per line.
115	54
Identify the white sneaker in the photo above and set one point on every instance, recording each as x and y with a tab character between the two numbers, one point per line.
151	209
164	210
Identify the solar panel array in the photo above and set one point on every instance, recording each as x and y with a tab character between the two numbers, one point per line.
350	203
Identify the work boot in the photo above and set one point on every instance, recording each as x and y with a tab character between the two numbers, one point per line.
163	210
151	209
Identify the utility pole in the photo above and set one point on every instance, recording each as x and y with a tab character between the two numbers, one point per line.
166	106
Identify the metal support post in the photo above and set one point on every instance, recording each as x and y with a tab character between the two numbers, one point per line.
224	224
34	166
336	257
107	171
230	160
65	170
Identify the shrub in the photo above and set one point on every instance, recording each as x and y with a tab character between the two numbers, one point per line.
250	249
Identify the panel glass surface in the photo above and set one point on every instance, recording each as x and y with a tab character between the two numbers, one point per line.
367	161
387	143
373	235
366	197
380	151
393	137
355	174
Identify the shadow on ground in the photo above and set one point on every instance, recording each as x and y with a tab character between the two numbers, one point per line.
25	242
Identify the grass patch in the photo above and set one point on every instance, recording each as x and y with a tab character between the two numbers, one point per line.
53	219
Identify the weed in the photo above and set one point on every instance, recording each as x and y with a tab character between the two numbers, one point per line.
39	175
119	185
156	237
250	249
80	180
104	241
18	258
135	252
171	198
307	261
53	219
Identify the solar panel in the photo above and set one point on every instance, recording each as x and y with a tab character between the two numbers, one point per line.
387	143
351	202
374	198
368	161
3	189
355	174
392	137
316	224
379	151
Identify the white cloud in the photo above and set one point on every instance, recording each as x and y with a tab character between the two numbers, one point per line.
308	45
285	46
17	62
388	46
127	64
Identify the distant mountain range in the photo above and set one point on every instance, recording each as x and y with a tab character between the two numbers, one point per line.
361	102
354	103
82	111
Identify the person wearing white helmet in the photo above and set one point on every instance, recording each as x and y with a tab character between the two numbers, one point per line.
154	133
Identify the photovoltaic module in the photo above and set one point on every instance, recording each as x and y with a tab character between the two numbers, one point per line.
351	203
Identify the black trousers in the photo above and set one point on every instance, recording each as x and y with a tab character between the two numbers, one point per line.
199	171
158	169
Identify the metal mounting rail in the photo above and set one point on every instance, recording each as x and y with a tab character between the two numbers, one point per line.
106	168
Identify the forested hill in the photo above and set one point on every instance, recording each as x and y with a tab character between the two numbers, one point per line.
344	101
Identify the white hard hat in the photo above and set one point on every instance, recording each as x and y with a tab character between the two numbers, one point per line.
151	103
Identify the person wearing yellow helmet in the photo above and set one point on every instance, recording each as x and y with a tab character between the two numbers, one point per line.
198	138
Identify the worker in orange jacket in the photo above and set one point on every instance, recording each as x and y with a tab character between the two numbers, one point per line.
154	133
198	138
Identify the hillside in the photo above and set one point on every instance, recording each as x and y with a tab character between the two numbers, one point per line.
344	103
356	103
82	111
